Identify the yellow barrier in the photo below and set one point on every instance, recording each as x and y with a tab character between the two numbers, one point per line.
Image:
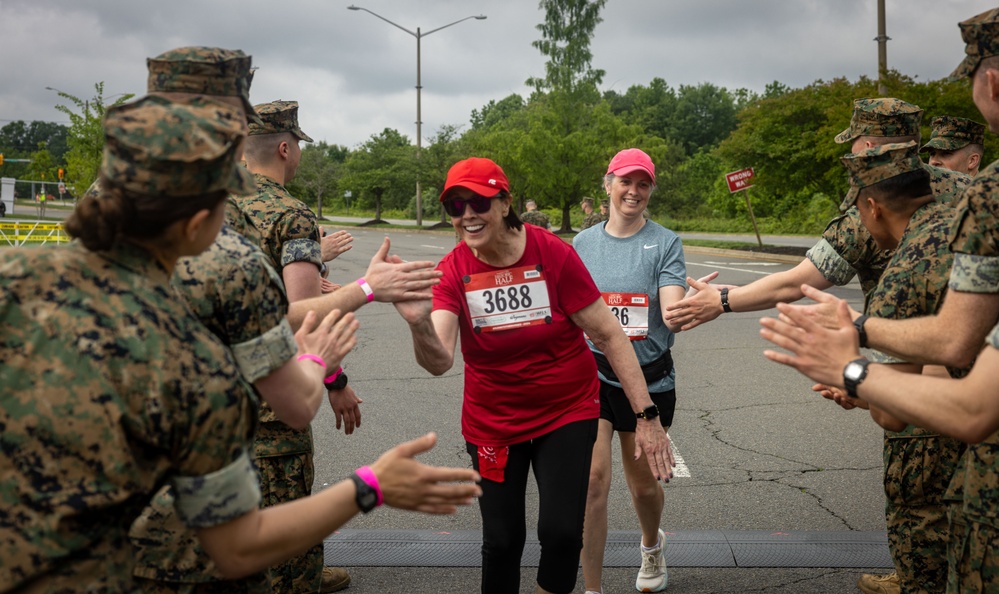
17	233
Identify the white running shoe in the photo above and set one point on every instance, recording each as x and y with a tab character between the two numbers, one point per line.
652	576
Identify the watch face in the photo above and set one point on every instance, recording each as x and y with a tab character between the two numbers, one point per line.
853	371
367	500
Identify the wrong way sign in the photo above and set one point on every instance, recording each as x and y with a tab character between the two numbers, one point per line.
740	180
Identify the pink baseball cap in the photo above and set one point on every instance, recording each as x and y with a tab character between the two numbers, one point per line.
630	160
482	176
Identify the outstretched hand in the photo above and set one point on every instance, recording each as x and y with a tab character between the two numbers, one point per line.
816	351
330	339
409	484
825	309
702	304
336	243
393	279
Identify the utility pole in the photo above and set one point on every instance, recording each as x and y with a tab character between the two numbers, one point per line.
882	40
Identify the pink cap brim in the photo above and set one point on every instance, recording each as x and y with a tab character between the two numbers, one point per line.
633	168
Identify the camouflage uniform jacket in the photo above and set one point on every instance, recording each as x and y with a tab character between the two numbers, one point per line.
847	248
977	480
536	218
975	243
289	232
592	219
111	389
234	291
913	285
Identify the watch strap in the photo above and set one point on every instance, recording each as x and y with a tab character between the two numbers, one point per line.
338	381
648	413
861	332
724	300
852	384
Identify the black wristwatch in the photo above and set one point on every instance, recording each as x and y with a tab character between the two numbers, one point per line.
366	497
862	334
338	384
854	374
724	300
649	413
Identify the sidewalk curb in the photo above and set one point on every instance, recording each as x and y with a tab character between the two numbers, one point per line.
744	254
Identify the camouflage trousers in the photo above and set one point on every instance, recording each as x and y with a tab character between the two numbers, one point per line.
917	473
917	538
286	478
973	556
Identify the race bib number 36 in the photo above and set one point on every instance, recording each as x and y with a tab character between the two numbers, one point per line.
508	299
631	311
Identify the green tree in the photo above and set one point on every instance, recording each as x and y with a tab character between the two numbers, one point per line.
495	112
19	139
382	172
562	146
446	147
703	117
42	166
318	174
86	137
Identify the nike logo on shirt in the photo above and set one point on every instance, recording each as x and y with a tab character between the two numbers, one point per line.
649	247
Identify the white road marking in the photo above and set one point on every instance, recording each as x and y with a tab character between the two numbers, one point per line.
713	266
681	470
436	247
744	263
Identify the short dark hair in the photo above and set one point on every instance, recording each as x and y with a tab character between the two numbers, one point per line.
897	193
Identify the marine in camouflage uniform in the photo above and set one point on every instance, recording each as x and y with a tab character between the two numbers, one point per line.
948	135
535	217
974	547
289	232
592	217
198	71
846	248
137	392
235	292
919	464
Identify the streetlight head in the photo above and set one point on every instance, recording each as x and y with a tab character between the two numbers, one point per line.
481	17
352	7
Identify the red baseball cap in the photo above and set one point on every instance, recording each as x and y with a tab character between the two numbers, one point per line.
479	175
630	160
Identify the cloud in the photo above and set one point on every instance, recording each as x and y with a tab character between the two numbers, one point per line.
354	75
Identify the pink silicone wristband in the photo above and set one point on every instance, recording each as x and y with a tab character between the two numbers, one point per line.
333	375
367	289
318	360
367	475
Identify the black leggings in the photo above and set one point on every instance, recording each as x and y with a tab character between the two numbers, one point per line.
561	461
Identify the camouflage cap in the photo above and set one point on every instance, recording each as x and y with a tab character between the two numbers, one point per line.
203	70
981	40
162	148
877	164
883	116
278	116
950	133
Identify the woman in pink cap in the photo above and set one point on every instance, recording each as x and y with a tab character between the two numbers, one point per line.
521	299
637	293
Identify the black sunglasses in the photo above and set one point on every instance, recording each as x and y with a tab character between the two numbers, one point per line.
455	207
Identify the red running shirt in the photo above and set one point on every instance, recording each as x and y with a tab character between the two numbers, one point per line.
527	381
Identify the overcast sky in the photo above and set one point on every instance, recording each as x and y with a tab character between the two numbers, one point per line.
355	75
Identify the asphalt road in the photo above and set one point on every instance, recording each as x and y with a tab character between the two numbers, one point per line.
761	450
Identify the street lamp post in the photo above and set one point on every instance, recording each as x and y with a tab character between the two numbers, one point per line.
419	123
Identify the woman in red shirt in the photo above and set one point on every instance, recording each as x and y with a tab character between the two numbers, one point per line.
521	299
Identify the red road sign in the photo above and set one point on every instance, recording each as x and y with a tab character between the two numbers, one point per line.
740	180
